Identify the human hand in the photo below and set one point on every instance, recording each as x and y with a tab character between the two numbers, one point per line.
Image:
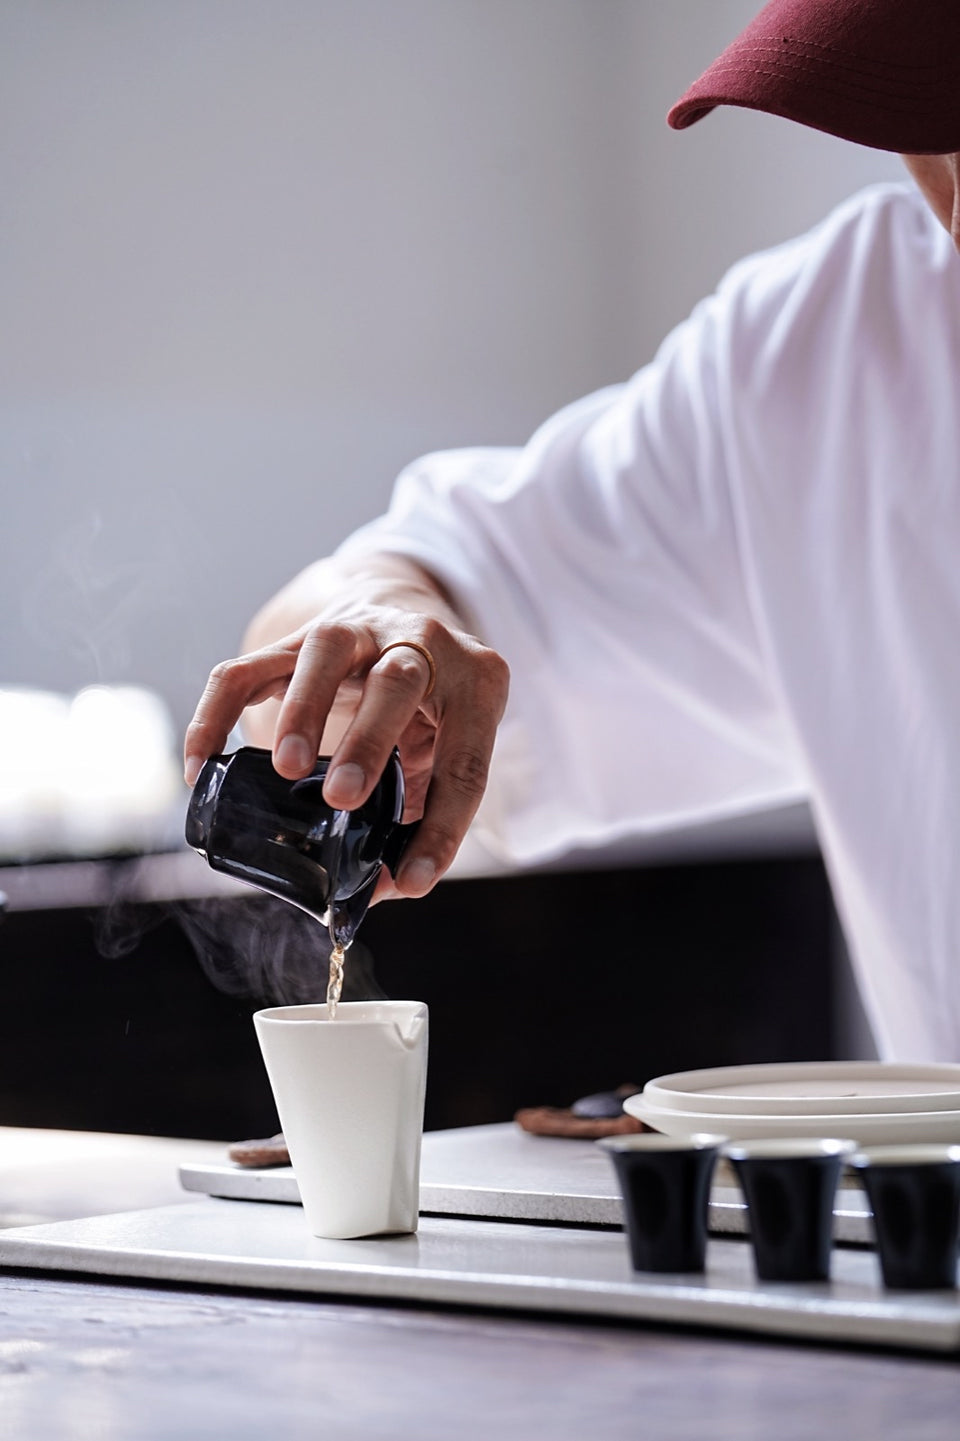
345	681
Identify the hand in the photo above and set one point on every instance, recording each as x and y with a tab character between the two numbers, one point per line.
337	692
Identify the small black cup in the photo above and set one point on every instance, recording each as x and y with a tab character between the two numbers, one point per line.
789	1187
914	1193
665	1184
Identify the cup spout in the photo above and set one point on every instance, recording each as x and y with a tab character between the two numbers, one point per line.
410	1027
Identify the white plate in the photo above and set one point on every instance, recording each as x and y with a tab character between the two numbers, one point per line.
809	1088
866	1129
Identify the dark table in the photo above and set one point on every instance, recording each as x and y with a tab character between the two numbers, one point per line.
122	1362
79	1359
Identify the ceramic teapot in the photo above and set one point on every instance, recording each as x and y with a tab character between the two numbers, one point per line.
282	836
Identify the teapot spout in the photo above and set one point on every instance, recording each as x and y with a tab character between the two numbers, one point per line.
344	917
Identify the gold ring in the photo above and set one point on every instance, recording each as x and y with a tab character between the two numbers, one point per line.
422	650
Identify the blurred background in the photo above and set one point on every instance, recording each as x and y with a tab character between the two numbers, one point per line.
256	256
259	254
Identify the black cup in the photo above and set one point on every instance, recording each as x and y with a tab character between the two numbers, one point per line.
665	1184
914	1193
789	1187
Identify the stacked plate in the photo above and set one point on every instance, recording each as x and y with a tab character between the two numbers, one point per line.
871	1102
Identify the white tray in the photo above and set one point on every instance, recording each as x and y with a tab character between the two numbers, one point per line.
499	1264
500	1172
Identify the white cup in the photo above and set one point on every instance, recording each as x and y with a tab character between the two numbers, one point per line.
349	1093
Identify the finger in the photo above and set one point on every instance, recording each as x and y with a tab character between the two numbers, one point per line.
461	765
392	693
416	755
330	653
232	686
385	889
456	789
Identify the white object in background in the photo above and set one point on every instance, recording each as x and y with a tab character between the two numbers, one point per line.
350	1096
120	777
85	775
33	724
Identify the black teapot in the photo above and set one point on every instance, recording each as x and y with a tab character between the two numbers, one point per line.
282	836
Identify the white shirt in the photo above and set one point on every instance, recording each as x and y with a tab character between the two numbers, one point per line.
735	581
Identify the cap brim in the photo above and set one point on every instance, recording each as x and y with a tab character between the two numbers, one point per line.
825	67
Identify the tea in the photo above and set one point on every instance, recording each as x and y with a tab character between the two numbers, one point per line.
335	980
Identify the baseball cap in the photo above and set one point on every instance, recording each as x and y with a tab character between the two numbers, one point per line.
882	73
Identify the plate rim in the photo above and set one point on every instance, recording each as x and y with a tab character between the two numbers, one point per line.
861	1127
701	1089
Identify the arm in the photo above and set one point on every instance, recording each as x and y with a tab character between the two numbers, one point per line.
312	679
604	562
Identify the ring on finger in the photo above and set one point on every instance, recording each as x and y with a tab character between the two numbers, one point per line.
421	650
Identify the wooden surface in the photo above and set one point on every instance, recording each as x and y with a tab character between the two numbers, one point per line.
81	1360
130	1363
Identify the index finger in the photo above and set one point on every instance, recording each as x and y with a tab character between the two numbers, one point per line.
232	686
461	765
332	652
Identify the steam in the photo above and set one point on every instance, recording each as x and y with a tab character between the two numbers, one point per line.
82	607
267	948
254	948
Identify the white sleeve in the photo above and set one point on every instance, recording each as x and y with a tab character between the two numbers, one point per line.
602	561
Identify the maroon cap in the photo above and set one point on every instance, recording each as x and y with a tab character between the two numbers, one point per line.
884	73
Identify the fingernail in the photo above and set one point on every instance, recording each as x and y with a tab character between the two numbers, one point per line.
191	769
294	753
417	876
344	784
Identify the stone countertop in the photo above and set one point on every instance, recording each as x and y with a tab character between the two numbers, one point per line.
499	1171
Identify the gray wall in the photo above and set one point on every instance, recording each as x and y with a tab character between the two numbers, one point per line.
256	256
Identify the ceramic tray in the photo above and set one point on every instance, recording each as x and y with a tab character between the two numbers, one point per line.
500	1172
558	1270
